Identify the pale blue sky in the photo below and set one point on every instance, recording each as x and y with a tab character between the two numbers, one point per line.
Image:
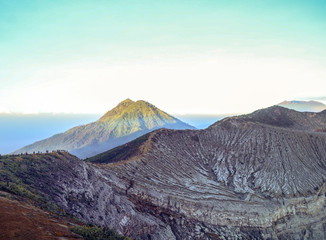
183	56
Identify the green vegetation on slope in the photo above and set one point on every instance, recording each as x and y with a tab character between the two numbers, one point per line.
116	154
20	173
138	114
92	232
16	175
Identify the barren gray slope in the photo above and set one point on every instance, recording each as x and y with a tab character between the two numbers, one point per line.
265	170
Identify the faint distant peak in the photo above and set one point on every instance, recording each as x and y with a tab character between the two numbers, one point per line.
303	106
301	102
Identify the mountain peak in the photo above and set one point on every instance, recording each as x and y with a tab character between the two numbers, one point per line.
300	102
303	106
127	121
132	109
126	102
116	110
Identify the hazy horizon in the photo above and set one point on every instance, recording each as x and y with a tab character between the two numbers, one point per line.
188	114
19	130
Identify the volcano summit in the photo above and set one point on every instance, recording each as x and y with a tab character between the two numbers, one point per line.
127	121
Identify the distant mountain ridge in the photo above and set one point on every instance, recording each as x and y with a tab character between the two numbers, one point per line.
127	121
303	106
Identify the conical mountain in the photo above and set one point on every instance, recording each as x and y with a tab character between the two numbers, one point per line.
127	121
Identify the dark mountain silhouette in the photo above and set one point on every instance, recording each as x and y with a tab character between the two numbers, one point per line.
125	122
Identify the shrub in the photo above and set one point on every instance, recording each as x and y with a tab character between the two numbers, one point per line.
92	232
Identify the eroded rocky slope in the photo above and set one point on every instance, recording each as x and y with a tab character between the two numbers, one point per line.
257	176
261	175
